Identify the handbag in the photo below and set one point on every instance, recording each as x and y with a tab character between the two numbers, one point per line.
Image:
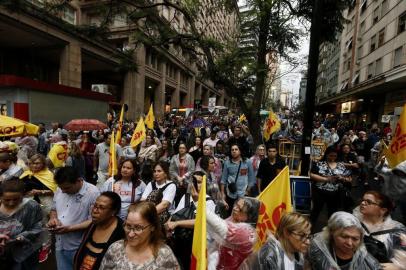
375	247
232	187
189	212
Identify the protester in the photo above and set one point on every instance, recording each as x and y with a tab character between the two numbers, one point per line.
127	185
128	150
87	147
161	191
394	186
269	168
374	215
70	214
182	222
196	151
143	247
181	167
149	151
165	152
212	140
21	227
106	228
8	158
102	157
235	236
218	166
237	177
39	183
339	246
328	176
239	139
260	154
76	160
286	249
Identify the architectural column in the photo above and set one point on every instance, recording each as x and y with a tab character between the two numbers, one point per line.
198	90
70	66
220	102
176	93
134	86
159	94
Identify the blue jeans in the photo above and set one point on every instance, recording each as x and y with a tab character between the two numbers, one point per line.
64	259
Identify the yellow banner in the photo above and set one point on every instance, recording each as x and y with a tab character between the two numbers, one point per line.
112	156
272	124
396	152
149	120
275	200
58	154
199	248
139	134
10	127
120	125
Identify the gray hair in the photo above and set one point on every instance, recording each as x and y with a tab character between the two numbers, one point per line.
251	208
342	220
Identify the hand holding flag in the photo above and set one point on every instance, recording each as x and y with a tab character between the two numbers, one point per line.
272	124
139	133
120	126
150	118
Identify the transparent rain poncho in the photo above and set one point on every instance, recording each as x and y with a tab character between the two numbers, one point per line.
234	241
320	253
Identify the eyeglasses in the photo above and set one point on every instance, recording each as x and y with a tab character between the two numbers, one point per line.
368	202
135	228
303	237
100	207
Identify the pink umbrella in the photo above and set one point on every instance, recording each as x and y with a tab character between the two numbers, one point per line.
85	124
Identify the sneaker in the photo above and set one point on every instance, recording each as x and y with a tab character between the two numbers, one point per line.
44	253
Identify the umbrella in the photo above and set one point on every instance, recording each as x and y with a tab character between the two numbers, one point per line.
199	122
84	124
12	127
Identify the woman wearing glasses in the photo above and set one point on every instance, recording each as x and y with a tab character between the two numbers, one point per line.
339	246
374	215
286	249
106	228
143	247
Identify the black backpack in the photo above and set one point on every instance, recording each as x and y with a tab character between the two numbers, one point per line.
156	196
375	247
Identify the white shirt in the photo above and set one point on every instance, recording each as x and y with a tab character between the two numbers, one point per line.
210	205
210	142
289	264
168	194
124	190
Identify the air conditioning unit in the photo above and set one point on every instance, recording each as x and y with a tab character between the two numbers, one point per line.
103	88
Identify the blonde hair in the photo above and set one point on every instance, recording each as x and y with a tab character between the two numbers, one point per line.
291	222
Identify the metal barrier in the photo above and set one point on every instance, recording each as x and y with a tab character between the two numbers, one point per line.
301	188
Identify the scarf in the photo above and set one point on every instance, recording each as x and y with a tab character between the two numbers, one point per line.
45	176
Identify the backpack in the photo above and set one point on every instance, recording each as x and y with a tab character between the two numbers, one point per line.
185	235
156	196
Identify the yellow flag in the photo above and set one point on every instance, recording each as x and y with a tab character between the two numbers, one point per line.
396	152
139	133
199	248
242	118
58	154
120	126
272	124
10	126
149	120
275	200
112	156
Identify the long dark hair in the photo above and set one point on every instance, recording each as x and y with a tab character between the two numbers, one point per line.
135	179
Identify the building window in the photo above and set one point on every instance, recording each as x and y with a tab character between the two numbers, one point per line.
348	44
378	66
362	28
359	53
348	64
381	38
398	57
355	80
69	14
370	71
375	17
402	23
363	6
385	7
373	43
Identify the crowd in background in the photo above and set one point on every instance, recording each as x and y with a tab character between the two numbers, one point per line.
143	217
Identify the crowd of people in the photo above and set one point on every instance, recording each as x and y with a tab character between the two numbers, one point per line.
143	217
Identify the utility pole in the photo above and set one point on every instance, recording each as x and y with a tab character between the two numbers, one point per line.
308	111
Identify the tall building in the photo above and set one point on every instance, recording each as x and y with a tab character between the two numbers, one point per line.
303	86
51	71
372	68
